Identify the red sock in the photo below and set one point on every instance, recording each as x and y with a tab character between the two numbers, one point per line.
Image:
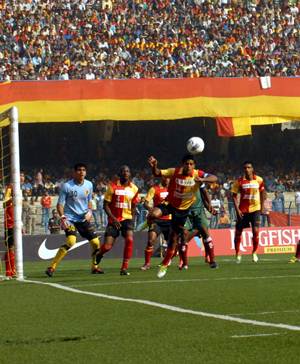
208	243
237	243
298	250
148	254
255	243
127	253
168	257
105	248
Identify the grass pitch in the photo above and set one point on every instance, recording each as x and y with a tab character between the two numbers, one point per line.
229	315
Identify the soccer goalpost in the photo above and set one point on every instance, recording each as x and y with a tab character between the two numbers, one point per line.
10	118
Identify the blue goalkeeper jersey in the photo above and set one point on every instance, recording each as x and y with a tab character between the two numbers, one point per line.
75	199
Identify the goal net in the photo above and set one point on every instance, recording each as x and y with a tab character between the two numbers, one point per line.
10	178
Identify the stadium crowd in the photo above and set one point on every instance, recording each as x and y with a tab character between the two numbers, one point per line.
115	39
38	181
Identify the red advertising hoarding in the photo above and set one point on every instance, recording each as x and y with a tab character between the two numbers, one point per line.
271	240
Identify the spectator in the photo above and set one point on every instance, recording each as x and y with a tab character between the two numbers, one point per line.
25	211
230	204
26	186
95	211
151	39
265	215
54	223
270	182
101	212
141	212
280	188
216	205
277	204
90	75
46	202
38	185
139	182
224	221
32	214
297	201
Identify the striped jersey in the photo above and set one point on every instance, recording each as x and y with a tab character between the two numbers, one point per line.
120	199
249	193
158	194
182	189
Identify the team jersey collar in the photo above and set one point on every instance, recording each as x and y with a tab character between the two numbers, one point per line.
128	184
77	183
253	177
191	174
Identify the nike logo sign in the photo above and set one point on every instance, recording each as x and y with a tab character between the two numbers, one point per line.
45	253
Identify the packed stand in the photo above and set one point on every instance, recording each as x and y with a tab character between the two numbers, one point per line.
93	39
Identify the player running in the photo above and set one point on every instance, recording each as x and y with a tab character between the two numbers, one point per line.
74	207
184	183
156	195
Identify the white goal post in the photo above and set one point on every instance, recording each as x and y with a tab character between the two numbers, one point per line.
12	115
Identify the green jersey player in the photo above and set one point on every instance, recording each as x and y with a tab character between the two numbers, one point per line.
197	225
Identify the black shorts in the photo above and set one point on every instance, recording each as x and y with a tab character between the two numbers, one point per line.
85	229
251	218
161	227
9	237
178	216
126	225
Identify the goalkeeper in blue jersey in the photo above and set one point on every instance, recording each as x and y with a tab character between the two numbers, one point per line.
75	210
197	225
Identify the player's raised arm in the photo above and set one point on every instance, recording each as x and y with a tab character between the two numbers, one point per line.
153	164
207	178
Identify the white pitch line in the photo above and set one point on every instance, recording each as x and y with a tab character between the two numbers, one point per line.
182	280
263	313
168	307
248	260
254	335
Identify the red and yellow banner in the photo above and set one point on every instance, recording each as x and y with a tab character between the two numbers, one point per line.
237	103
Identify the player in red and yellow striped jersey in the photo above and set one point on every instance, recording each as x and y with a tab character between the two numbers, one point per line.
252	194
156	195
184	183
120	201
9	257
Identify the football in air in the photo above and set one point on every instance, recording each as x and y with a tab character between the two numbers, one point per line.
195	145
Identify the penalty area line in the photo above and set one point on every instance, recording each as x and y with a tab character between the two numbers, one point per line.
167	307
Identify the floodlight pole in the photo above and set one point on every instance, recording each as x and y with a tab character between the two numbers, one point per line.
17	193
